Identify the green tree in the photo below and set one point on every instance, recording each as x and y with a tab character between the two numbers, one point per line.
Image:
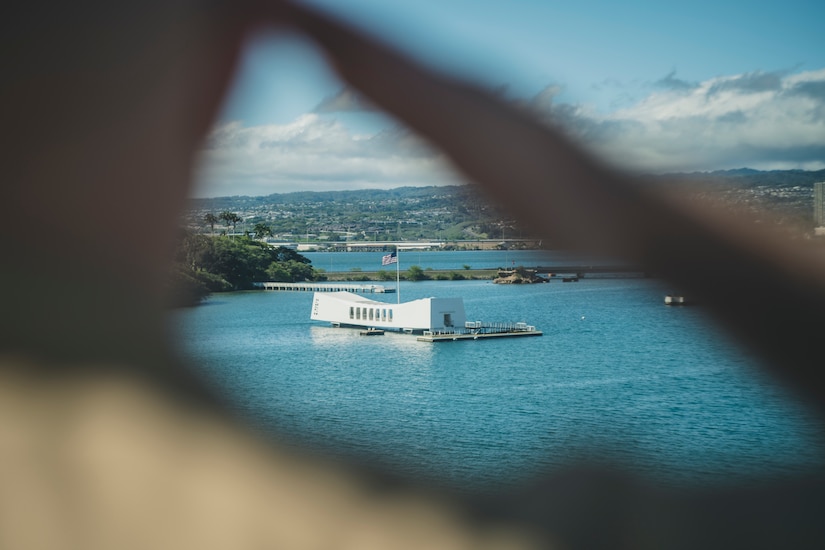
277	272
218	264
415	273
283	254
262	230
211	219
183	288
230	218
290	271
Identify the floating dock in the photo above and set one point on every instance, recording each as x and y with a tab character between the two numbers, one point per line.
433	319
475	330
326	287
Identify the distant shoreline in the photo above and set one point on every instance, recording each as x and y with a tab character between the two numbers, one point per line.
430	274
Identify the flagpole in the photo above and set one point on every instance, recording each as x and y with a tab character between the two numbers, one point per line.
398	273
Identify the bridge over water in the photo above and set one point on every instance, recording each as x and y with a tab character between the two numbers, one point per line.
582	270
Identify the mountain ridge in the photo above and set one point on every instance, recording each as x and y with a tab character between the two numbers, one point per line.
799	177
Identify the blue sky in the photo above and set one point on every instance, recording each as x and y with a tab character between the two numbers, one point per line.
651	86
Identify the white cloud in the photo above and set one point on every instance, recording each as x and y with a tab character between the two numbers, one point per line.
757	120
313	153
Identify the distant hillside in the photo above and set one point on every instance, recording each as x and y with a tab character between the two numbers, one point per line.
743	177
746	177
460	212
425	194
782	199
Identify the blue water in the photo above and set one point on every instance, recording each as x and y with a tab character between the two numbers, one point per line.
475	259
616	375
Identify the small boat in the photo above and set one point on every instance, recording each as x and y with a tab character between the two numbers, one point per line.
675	300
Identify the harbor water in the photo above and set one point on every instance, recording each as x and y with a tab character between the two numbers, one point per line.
618	376
441	260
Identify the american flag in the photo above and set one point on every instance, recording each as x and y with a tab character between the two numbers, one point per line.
389	259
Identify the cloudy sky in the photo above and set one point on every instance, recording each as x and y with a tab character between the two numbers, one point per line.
654	87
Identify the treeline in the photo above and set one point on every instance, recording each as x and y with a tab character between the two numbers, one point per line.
414	273
205	264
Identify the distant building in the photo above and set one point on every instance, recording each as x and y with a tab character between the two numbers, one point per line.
819	208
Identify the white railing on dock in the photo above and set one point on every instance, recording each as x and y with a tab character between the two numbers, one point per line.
325	287
477	327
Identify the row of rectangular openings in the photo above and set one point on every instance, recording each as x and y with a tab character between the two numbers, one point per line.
370	314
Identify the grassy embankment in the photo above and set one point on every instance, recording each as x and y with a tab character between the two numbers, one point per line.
428	275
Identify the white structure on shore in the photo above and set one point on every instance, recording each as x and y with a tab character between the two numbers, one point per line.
427	314
819	208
